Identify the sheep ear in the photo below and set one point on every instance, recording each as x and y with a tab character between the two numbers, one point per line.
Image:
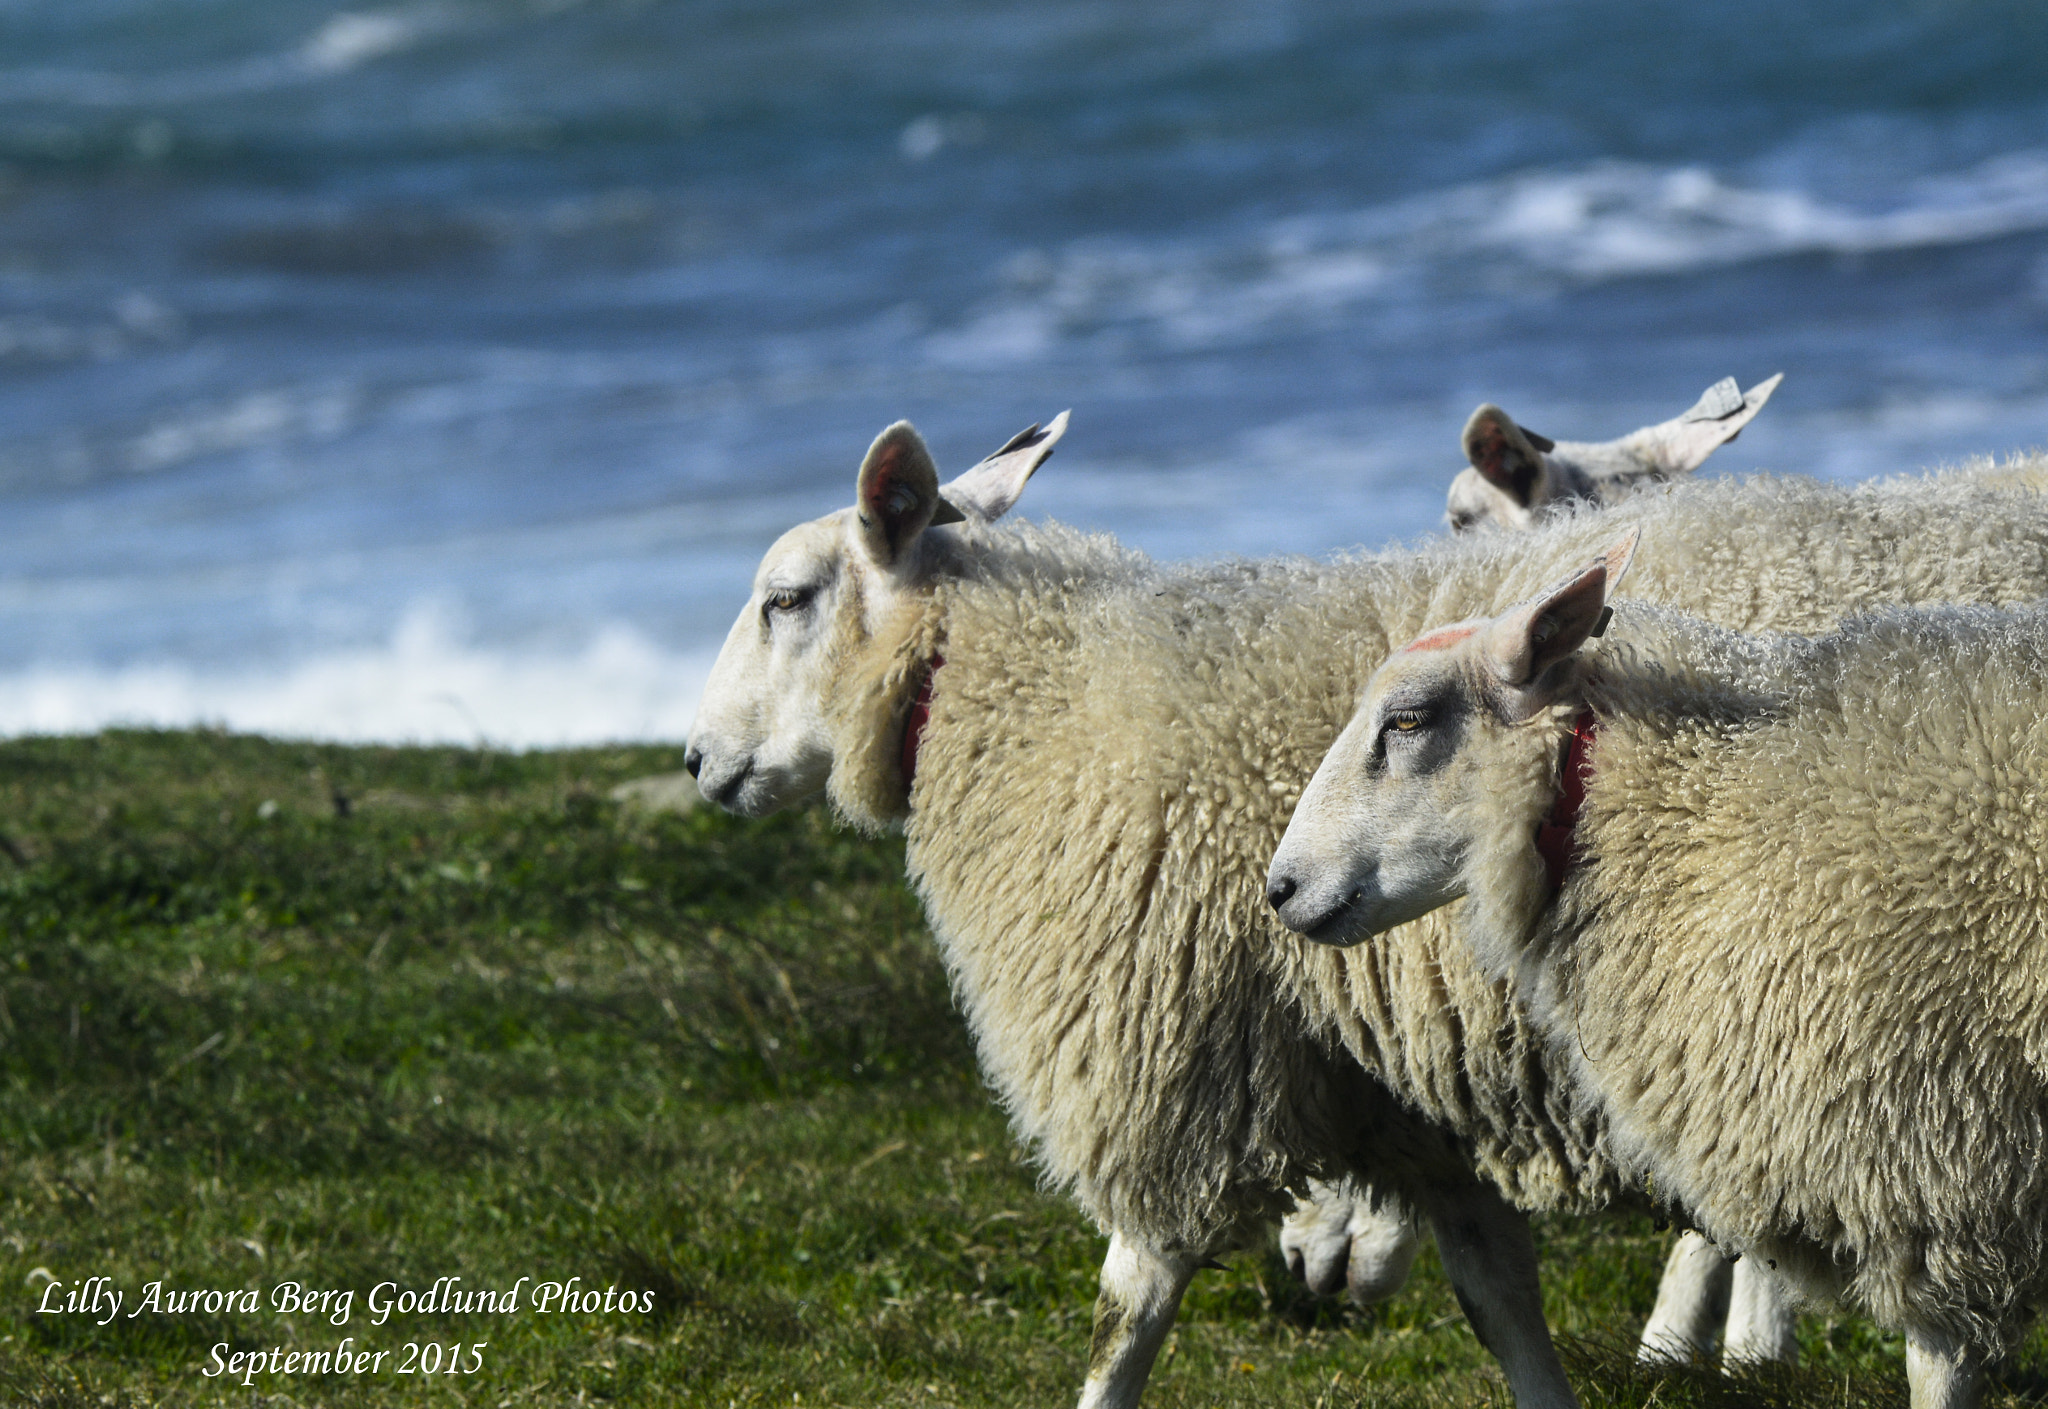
992	488
897	494
1522	645
1509	457
1682	445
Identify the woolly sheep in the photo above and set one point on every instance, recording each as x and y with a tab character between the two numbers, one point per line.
1342	1234
1802	960
1516	476
1112	749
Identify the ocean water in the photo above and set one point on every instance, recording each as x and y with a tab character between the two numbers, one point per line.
440	370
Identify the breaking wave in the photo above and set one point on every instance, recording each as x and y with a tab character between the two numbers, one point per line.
1529	232
424	685
1618	220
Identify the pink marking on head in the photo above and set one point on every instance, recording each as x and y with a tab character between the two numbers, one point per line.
1440	639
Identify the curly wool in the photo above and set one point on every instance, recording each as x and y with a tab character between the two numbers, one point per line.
1113	753
1804	964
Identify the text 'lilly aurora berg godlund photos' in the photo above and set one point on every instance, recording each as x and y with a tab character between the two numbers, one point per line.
100	1300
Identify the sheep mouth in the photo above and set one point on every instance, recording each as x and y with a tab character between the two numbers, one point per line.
726	792
1337	927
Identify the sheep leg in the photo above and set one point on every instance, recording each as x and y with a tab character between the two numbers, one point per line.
1141	1291
1692	1301
1763	1324
1942	1371
1491	1259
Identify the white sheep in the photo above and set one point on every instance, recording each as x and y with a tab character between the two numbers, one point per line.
816	682
1093	756
1778	901
1515	476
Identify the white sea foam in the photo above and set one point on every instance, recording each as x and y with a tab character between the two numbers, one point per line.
1621	219
1526	231
425	684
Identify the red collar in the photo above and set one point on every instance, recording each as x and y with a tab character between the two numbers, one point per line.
1554	835
920	715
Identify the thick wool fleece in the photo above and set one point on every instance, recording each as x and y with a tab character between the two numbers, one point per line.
1804	964
1114	750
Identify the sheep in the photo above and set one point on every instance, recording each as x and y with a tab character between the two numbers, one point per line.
1797	949
1516	476
1092	756
830	601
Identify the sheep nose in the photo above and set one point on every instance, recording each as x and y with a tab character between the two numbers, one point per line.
693	760
1279	891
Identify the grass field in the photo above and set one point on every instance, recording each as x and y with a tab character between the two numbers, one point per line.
354	1018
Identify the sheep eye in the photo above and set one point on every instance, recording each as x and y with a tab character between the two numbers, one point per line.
786	599
1406	721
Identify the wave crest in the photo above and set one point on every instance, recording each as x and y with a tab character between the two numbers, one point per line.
1529	232
424	685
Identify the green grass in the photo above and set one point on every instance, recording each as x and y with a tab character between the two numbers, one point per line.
289	1013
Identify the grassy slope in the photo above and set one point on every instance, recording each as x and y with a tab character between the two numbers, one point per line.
289	1012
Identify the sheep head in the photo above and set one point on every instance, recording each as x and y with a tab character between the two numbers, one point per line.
1516	475
1385	828
763	737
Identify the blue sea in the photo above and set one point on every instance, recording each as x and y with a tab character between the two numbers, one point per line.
441	369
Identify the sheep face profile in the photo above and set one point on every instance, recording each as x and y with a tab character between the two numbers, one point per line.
1516	476
1384	830
760	742
762	739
